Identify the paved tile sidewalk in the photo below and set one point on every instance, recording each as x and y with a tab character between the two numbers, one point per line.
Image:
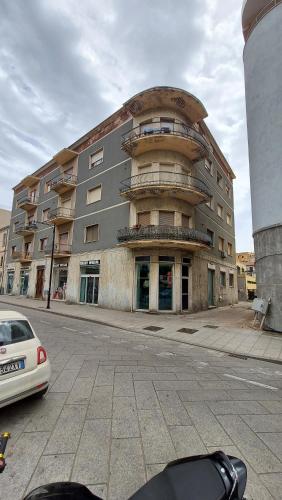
225	329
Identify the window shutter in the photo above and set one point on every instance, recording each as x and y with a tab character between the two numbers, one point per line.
144	218
166	218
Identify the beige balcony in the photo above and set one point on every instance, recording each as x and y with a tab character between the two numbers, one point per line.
26	229
22	256
30	180
61	215
163	236
173	136
61	250
159	184
28	202
65	155
64	183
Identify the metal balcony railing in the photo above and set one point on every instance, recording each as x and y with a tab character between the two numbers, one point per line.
59	249
21	255
27	199
61	212
176	128
163	233
21	228
155	179
63	178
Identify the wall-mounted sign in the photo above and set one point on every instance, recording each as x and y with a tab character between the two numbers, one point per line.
89	262
61	265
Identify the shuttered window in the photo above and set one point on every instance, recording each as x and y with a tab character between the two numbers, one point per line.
96	158
94	194
144	218
186	221
92	233
166	218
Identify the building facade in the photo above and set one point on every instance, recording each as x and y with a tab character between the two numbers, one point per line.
261	21
142	211
246	275
5	216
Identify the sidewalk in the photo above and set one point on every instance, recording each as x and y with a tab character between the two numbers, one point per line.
225	329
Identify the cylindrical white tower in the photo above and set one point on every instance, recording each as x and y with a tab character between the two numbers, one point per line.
262	22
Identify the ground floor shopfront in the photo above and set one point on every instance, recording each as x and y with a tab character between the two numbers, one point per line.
152	280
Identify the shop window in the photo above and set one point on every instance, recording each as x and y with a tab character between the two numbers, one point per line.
143	218
92	233
220	244
96	158
220	210
166	218
231	280
94	194
222	279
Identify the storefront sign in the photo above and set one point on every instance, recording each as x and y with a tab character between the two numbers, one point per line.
64	265
211	266
89	262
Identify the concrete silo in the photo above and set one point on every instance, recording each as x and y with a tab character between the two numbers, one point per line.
262	22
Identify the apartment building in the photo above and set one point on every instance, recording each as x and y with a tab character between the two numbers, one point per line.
141	209
5	216
246	275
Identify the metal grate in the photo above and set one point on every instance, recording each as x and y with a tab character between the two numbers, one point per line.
187	330
153	328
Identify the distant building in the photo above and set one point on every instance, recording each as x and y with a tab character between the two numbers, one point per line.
246	275
5	216
262	21
143	213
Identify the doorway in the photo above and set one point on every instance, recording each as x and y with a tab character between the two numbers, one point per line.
165	286
39	284
89	289
142	285
24	279
185	286
211	287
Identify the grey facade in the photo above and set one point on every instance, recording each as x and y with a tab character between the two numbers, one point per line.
109	232
263	73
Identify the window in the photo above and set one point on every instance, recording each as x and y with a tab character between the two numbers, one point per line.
13	249
42	244
186	221
48	185
229	249
210	203
231	280
219	179
220	211
45	214
166	218
228	190
94	195
211	234
143	218
4	239
96	158
208	165
2	260
229	219
220	244
92	233
222	277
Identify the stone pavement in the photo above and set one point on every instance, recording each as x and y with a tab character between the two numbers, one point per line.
121	405
226	329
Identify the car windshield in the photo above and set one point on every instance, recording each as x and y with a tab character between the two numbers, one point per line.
14	331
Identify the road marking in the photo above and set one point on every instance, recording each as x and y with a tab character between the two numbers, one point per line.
84	333
45	322
70	329
251	382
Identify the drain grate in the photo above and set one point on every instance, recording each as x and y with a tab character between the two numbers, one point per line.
187	330
210	326
153	328
239	356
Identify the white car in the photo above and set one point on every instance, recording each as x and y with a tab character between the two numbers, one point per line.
24	366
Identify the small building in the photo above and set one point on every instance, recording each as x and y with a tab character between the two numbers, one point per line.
5	216
142	211
246	275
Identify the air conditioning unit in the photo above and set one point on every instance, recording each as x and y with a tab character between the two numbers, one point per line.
223	254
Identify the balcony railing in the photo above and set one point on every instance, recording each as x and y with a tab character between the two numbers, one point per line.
61	212
27	201
26	228
63	181
165	179
59	249
176	233
22	256
176	128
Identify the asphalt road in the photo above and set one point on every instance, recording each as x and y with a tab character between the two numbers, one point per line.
121	405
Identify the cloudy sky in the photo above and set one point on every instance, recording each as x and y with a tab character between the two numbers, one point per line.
66	65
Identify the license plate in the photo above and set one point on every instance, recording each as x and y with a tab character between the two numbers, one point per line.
12	367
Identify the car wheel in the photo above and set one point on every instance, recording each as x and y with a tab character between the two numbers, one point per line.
40	394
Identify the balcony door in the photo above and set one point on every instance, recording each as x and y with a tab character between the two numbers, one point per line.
210	287
63	241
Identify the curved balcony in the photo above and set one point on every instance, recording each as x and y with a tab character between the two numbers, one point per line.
172	136
167	236
63	183
60	215
177	185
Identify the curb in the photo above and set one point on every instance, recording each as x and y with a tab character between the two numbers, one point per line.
241	355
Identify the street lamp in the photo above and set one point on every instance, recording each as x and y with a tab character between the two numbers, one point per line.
52	258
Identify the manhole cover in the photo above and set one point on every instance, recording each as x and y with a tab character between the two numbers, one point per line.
187	330
210	326
153	328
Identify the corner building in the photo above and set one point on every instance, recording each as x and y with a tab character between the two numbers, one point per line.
143	212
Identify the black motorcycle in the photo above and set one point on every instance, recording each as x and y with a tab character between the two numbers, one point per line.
204	477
